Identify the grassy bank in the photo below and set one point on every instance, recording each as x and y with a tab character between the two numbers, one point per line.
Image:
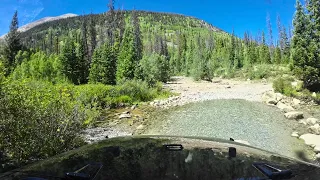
39	119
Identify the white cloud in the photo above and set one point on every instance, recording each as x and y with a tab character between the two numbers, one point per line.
28	10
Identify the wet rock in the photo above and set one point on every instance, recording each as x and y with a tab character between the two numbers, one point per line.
284	108
312	121
294	115
295	134
140	127
272	101
315	129
311	140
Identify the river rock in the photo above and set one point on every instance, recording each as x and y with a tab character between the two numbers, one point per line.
242	142
279	96
303	121
296	102
311	140
316	149
285	108
312	121
294	115
133	107
295	134
315	129
124	115
272	101
268	95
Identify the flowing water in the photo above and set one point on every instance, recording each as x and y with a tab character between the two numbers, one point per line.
261	125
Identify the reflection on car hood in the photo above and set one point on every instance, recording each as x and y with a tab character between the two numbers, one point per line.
163	157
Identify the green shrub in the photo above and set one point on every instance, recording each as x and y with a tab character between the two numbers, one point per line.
38	120
284	86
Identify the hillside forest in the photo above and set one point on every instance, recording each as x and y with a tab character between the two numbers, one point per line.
59	77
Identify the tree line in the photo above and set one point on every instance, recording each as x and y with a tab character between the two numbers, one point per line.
117	45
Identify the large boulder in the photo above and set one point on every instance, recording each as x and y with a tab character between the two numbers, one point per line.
311	140
312	121
268	95
315	129
285	108
294	115
272	98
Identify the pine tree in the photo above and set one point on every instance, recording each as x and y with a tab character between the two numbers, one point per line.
285	48
269	25
312	71
82	56
280	33
300	43
232	51
69	61
127	60
138	46
103	66
277	55
264	53
92	35
13	44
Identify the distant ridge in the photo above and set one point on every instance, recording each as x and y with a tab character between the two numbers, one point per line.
41	21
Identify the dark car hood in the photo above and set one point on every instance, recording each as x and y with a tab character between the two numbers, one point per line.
164	157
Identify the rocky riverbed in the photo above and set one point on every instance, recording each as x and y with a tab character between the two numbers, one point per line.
275	123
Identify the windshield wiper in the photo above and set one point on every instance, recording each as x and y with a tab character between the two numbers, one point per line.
272	172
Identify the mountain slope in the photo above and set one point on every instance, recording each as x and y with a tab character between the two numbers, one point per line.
41	21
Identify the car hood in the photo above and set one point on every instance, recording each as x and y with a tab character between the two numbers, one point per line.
166	157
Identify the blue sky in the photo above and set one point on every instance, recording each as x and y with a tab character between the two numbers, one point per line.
240	15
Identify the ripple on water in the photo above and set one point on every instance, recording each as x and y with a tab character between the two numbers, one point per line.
261	125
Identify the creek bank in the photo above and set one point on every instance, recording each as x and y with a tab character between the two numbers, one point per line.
291	107
119	122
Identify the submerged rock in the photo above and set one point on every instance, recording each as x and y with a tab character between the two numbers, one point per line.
294	115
